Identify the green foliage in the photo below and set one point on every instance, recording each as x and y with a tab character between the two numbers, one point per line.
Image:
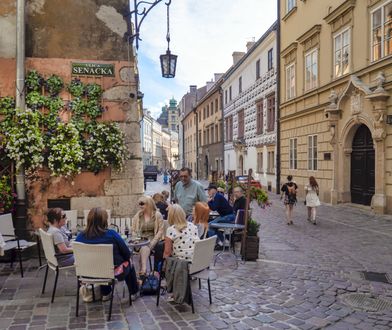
53	85
34	81
253	227
35	100
65	151
93	91
221	184
23	139
38	136
105	146
7	197
76	88
259	195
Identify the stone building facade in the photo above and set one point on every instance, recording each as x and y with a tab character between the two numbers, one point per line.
336	109
249	108
210	130
146	137
157	144
91	32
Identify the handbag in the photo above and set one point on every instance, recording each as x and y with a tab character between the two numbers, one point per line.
150	285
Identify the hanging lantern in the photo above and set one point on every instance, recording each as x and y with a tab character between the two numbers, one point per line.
168	60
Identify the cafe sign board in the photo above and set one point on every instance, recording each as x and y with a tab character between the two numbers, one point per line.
93	69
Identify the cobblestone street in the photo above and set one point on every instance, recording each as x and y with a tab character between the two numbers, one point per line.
304	275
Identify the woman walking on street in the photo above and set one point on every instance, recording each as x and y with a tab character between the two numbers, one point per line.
289	191
312	199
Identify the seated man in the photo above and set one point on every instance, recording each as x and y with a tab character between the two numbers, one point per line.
217	202
239	199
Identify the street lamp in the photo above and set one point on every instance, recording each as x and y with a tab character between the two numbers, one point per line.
141	9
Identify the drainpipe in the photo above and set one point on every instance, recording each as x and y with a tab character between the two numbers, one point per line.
20	218
197	143
278	104
222	135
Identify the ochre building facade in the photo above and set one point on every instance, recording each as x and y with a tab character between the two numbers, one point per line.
336	105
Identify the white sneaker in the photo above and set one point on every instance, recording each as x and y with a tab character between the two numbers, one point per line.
227	242
220	243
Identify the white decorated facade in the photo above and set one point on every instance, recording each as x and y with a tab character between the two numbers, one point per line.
249	90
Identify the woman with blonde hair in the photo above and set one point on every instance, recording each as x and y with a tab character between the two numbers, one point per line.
312	200
200	216
181	235
148	223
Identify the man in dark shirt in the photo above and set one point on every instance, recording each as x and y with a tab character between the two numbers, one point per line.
218	202
240	200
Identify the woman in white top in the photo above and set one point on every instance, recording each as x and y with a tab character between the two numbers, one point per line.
312	199
181	235
57	219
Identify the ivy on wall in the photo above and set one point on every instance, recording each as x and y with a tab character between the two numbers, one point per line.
38	136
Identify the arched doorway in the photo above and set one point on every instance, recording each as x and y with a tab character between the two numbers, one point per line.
206	167
362	167
241	165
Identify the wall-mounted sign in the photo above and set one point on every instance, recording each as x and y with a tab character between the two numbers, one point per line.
92	69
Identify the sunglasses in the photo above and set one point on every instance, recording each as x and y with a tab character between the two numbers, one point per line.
184	176
142	203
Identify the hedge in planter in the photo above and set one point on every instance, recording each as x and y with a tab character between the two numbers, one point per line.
251	251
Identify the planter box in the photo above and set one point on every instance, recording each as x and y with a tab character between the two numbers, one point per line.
251	252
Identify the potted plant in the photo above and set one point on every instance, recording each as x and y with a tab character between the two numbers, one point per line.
250	251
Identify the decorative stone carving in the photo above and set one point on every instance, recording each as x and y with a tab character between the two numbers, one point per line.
356	103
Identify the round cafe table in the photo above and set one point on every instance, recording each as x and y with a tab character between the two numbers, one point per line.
227	229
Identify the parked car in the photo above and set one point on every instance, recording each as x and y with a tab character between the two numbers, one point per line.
243	179
151	172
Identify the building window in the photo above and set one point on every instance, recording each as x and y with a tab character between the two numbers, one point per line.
259	162
312	152
241	127
212	134
208	137
293	154
260	116
217	139
290	5
216	105
229	129
240	85
271	162
230	94
199	138
270	59
212	108
290	81
311	69
226	96
173	127
342	53
382	31
208	111
257	69
204	112
271	113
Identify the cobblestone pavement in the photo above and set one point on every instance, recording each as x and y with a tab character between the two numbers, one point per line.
303	275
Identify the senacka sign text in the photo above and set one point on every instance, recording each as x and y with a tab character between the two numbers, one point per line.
92	69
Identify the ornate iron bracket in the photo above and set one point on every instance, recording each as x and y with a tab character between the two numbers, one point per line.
139	13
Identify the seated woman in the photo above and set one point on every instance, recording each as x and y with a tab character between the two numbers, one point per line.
180	236
160	204
148	222
97	232
57	220
200	216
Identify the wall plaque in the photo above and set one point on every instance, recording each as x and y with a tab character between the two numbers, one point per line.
92	69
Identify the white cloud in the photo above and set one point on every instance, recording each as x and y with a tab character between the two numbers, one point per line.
204	34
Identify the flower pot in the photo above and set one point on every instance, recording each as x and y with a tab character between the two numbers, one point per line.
251	251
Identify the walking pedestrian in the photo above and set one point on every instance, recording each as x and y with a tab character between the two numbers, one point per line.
188	191
312	200
289	191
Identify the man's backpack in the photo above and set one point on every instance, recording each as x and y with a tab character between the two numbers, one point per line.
291	190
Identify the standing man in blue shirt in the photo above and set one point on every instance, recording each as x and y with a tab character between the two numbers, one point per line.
218	202
188	191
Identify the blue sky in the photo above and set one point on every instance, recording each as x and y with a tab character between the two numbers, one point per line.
204	34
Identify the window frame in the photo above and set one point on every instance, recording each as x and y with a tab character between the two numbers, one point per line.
316	82
260	116
340	33
294	4
271	110
230	94
382	53
260	162
241	124
290	95
312	152
293	153
258	71
270	59
240	85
